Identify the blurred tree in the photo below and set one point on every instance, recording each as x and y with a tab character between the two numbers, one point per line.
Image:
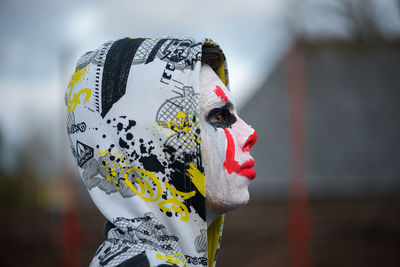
359	20
1	139
1	153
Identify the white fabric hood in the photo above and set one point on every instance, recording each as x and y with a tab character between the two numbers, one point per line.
133	126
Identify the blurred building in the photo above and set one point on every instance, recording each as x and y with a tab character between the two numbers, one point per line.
350	115
326	119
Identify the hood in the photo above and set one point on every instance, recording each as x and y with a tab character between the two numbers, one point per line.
133	127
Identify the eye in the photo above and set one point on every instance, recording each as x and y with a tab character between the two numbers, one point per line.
221	117
218	118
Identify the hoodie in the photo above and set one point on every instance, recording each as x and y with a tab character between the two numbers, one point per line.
133	127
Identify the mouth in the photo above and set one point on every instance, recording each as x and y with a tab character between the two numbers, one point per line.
246	169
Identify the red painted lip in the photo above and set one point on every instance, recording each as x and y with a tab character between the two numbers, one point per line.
247	164
246	169
249	173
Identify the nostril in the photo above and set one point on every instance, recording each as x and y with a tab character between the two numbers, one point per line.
250	142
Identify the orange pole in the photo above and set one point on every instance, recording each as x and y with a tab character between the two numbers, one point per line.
70	228
299	214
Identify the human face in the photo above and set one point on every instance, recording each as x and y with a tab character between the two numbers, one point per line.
225	146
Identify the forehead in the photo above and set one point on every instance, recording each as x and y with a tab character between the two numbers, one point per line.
213	91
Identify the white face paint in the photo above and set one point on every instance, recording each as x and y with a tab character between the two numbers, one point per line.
225	142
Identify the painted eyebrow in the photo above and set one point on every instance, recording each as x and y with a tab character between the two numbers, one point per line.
220	93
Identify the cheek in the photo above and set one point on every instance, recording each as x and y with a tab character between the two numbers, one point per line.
218	151
213	144
228	190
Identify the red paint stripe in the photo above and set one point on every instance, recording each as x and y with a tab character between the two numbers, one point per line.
299	215
231	165
220	93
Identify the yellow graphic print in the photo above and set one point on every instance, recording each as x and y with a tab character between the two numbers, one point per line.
113	168
142	186
145	187
74	99
185	125
198	178
174	259
176	205
77	77
151	38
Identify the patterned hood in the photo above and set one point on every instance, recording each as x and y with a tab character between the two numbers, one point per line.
133	126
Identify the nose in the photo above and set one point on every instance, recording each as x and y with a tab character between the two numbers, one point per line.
246	135
251	140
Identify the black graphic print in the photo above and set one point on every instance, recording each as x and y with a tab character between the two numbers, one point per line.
180	114
86	59
131	237
116	70
83	152
196	260
95	175
200	242
72	126
182	54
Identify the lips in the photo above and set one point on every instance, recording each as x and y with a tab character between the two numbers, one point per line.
246	169
248	164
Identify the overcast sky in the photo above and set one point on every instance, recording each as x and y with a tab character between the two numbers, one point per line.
42	39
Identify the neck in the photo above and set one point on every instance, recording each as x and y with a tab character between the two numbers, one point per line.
211	216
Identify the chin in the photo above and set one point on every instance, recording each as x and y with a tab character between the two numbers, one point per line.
227	201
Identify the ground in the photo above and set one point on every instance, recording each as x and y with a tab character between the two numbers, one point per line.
363	231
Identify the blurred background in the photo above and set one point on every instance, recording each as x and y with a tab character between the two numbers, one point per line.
318	79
